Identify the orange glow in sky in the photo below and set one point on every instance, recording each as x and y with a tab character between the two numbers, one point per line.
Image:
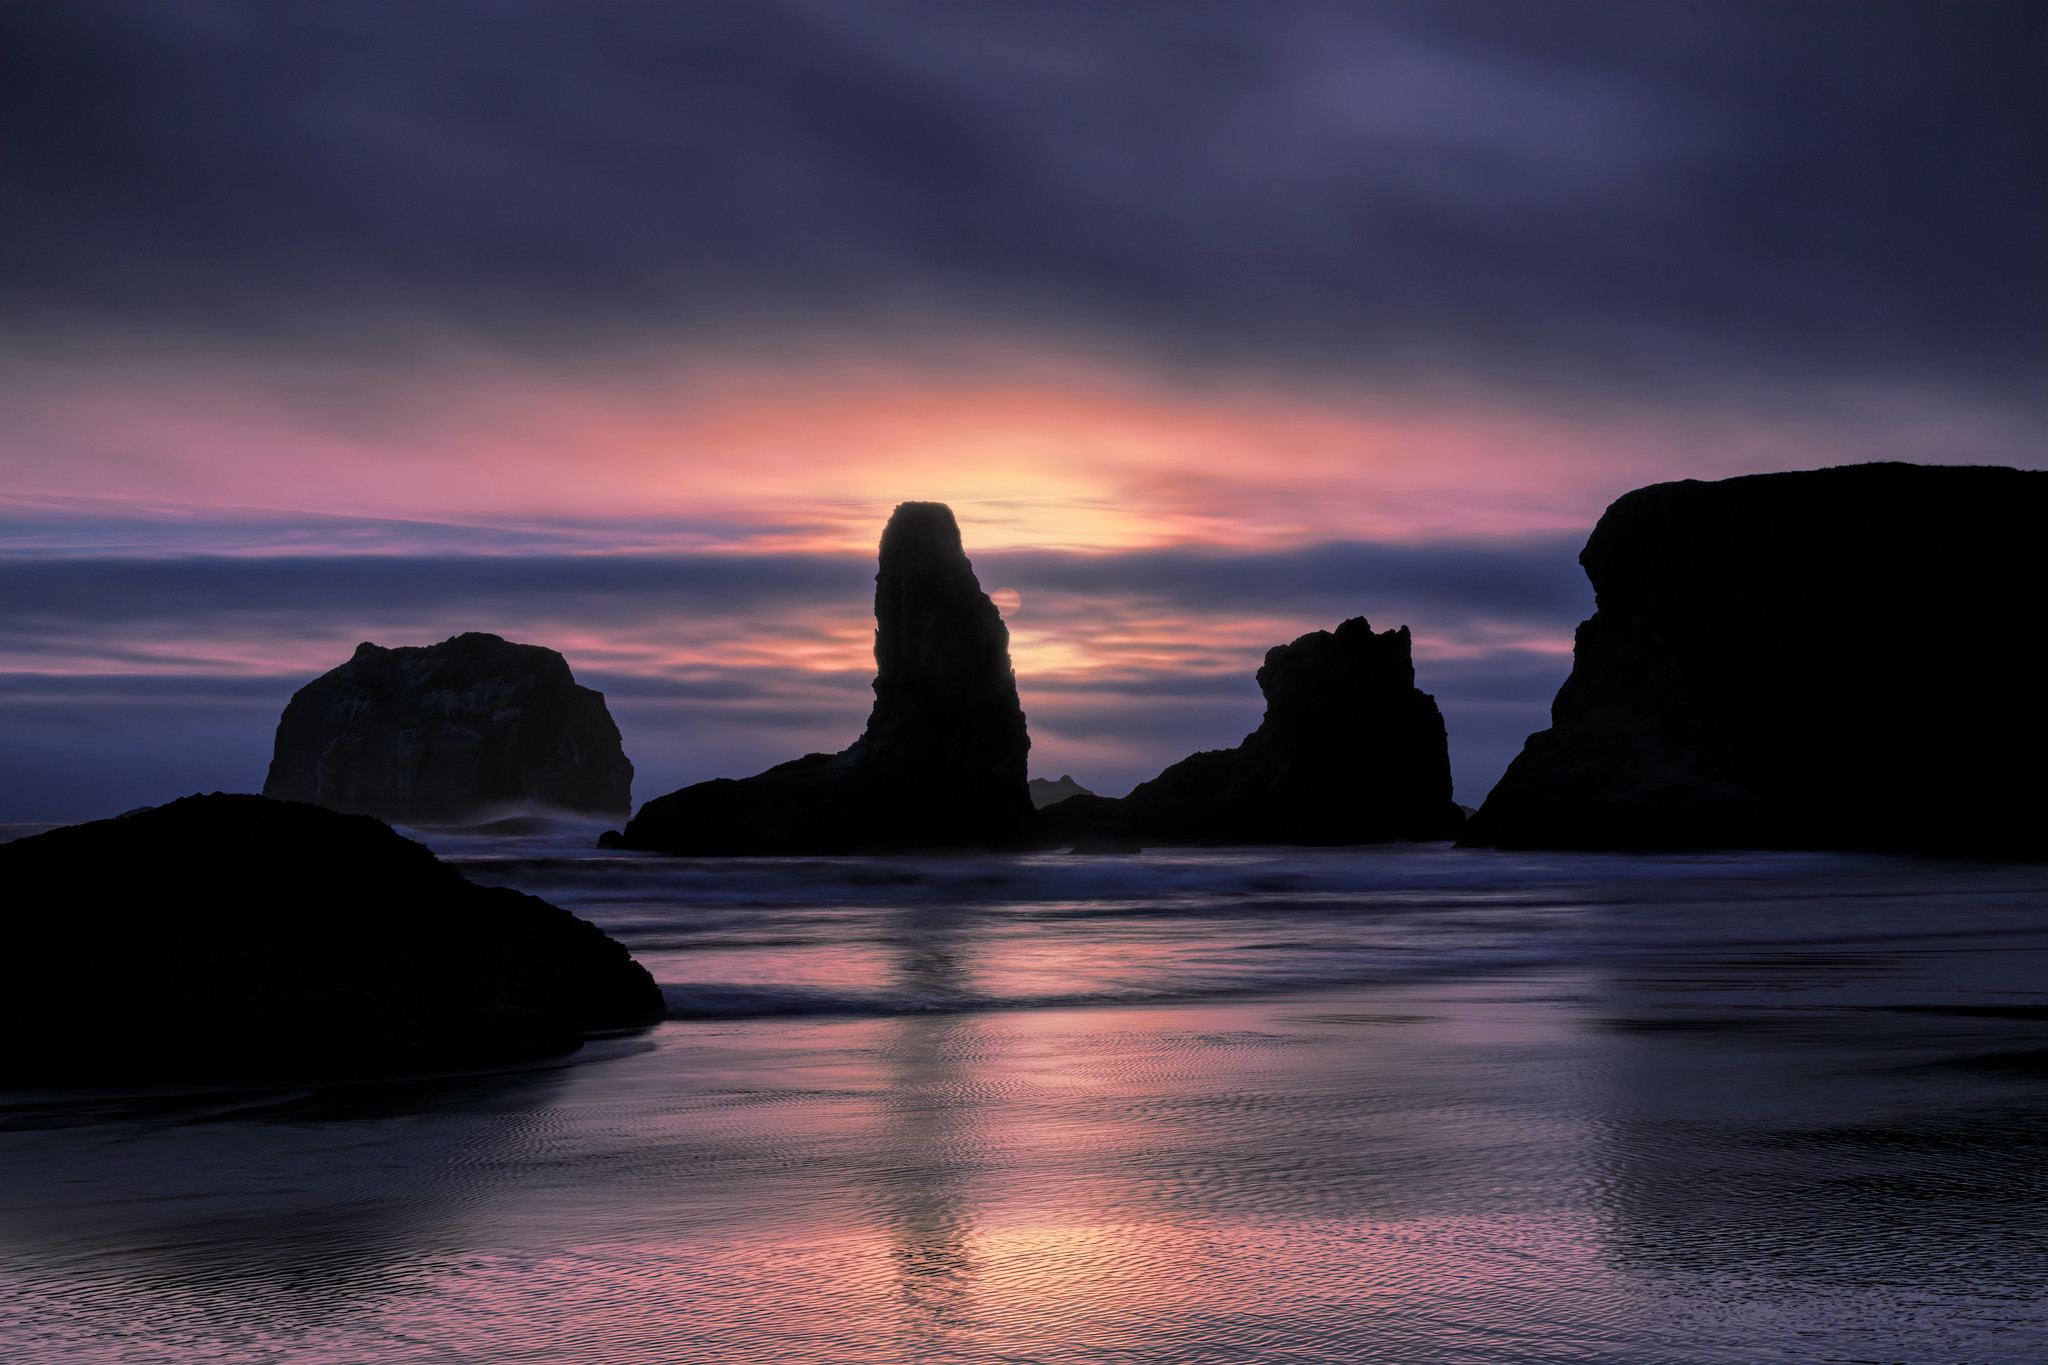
811	457
772	459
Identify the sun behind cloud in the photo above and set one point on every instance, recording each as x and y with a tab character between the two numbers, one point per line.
1031	450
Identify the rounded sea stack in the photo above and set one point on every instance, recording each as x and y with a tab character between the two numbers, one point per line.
471	730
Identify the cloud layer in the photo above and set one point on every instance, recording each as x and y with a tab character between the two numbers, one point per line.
1587	195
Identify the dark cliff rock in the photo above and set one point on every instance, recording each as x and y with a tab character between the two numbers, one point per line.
942	762
467	730
231	937
1836	658
1349	752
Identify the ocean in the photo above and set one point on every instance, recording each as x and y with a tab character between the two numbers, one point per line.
1390	1104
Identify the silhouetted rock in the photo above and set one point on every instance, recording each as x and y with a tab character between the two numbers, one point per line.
942	763
1044	793
1837	658
1350	752
230	937
464	731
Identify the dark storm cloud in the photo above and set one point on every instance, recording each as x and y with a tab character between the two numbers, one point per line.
1527	580
1609	192
85	527
1536	582
91	593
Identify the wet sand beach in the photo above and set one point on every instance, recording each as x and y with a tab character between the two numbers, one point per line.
1823	1143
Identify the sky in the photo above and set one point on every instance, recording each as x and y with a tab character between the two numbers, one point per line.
619	327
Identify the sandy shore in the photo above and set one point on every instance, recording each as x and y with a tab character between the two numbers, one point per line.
1817	1153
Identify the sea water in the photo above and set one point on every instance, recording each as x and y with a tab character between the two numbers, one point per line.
1405	1103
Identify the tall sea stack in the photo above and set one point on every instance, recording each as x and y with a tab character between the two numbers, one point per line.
1837	658
1350	752
470	729
942	762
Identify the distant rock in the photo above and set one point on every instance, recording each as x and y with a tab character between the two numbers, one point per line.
472	729
1350	752
1837	658
1044	793
230	937
1104	844
942	762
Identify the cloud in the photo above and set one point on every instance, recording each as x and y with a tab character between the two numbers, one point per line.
1595	196
490	458
88	592
1529	578
1185	601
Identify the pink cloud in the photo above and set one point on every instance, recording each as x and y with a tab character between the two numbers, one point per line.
683	451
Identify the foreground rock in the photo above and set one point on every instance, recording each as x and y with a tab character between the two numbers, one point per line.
1350	752
233	937
1838	658
942	762
471	729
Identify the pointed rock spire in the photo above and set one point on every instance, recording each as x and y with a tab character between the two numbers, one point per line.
942	762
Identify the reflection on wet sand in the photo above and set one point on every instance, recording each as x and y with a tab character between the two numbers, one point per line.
1820	1122
925	1195
1141	1178
1687	1162
271	1210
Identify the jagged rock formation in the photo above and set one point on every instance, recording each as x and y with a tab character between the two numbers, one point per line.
230	937
1350	752
471	729
1044	793
1836	658
942	762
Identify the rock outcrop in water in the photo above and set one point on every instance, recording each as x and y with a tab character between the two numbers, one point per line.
1350	752
231	937
1838	658
942	762
1045	793
471	729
